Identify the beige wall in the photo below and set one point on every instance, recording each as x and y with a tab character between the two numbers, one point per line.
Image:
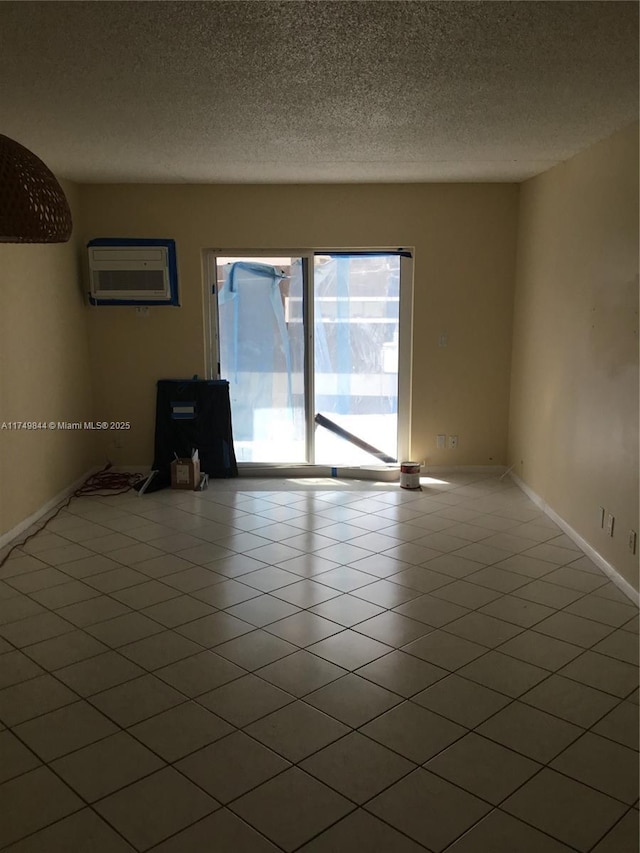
44	374
574	384
464	239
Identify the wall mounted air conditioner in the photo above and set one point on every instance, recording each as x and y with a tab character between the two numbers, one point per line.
130	271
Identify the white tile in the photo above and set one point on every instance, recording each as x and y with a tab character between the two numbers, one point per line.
263	610
349	649
16	758
231	766
296	731
181	730
345	579
361	831
386	593
466	594
208	600
304	628
225	594
159	649
304	593
613	613
570	700
483	768
413	732
245	700
97	609
131	555
31	801
292	808
235	566
152	809
116	579
603	673
567	810
501	833
402	673
392	628
200	673
177	611
432	611
269	579
353	700
91	564
64	650
188	580
608	767
428	809
33	629
445	650
212	629
540	650
231	836
55	597
503	673
620	725
82	832
518	611
98	673
300	673
158	567
623	836
483	629
40	579
31	698
255	649
64	730
137	700
16	667
460	700
357	767
529	731
110	542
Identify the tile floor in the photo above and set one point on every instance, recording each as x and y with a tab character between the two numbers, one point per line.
319	667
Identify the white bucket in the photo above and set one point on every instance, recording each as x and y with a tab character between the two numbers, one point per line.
409	475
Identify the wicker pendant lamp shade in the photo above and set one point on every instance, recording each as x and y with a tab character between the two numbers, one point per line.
33	207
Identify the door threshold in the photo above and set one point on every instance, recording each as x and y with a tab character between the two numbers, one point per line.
381	473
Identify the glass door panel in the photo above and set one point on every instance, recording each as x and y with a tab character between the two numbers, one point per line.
356	336
261	344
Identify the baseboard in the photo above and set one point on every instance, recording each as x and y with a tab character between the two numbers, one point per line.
464	469
15	532
613	575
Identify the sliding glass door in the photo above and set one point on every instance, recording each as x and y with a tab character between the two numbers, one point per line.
311	346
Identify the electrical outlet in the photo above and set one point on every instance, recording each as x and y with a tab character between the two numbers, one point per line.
441	442
453	442
633	538
443	340
603	513
610	523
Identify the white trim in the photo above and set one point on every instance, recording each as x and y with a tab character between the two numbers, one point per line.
308	303
16	531
609	570
405	358
405	341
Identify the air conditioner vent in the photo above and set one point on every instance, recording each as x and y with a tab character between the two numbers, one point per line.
132	272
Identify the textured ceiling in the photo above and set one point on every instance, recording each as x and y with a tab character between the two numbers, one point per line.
325	91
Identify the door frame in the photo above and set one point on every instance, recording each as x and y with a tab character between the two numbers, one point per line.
405	344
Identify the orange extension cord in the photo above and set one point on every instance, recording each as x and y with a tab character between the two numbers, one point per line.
101	484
